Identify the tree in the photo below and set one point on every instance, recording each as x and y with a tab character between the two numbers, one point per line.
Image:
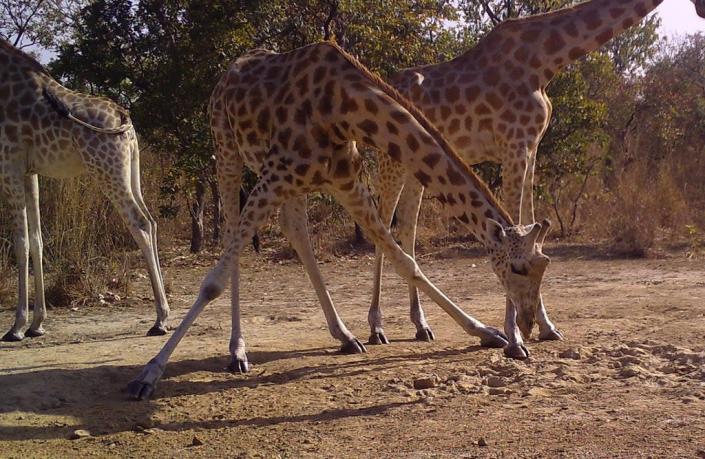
38	23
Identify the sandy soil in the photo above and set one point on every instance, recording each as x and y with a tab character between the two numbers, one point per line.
628	381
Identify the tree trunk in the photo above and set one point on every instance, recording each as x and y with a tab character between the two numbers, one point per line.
197	209
359	236
217	210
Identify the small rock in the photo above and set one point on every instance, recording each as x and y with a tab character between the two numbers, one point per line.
196	442
482	442
570	354
631	371
79	433
496	381
497	391
426	383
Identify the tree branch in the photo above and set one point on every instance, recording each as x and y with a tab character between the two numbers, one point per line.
493	17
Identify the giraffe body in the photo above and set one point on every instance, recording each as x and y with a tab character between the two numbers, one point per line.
295	119
491	105
46	129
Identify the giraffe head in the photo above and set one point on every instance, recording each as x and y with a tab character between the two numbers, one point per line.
519	262
699	7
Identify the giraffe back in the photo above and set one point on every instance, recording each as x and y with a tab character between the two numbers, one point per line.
43	140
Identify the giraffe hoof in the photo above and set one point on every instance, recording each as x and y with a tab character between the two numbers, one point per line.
34	333
140	390
494	339
516	351
157	330
551	335
13	337
425	334
353	347
378	338
239	365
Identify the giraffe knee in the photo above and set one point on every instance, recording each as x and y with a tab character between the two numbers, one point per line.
212	287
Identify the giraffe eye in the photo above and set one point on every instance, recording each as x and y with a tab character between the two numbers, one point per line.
519	271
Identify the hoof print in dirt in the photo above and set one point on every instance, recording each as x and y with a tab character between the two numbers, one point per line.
353	347
11	337
516	351
156	331
239	366
425	334
378	338
551	335
34	333
139	390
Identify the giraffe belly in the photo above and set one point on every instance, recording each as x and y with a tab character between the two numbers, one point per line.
56	165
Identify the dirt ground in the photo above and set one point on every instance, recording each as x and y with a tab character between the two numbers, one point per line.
628	381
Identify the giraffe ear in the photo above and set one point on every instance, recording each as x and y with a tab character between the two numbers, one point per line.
495	231
545	228
534	232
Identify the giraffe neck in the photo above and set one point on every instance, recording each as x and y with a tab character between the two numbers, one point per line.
546	43
393	125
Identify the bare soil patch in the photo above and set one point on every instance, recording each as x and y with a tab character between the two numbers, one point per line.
628	381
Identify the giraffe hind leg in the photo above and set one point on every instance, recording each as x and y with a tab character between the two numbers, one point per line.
119	189
293	221
407	214
161	302
390	180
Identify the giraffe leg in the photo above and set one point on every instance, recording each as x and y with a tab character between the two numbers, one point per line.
119	191
161	302
14	190
512	186
293	221
547	330
261	202
359	204
527	191
35	247
229	169
408	214
390	180
515	349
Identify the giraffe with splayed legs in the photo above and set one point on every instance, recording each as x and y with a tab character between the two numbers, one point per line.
46	129
491	105
295	118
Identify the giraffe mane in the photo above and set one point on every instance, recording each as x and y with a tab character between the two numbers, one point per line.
427	125
565	11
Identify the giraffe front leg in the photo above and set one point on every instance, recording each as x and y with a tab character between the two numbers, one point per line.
293	221
515	348
408	214
359	204
14	191
390	180
35	247
547	330
259	205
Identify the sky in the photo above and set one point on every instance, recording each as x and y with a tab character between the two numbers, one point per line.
678	18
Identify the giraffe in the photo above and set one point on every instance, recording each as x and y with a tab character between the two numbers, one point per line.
46	129
490	103
295	119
